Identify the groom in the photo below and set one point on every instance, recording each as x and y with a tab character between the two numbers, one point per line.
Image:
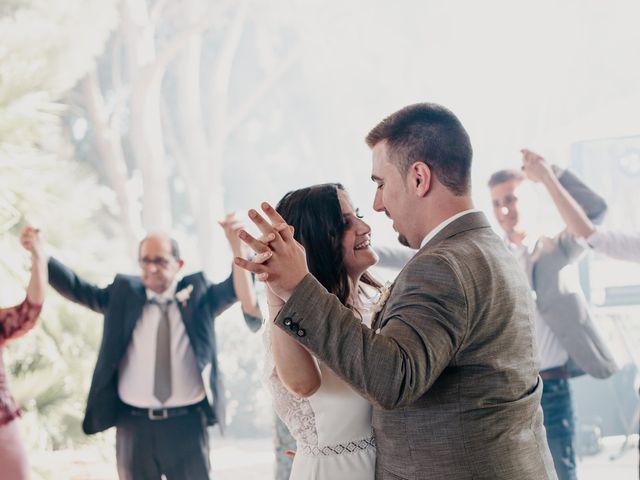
450	362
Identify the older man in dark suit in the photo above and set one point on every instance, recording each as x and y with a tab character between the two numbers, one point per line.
156	378
450	362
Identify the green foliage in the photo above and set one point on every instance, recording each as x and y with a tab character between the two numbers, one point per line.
45	47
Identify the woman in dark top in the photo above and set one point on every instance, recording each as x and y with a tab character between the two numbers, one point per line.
15	322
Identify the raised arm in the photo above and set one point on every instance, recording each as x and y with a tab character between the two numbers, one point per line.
68	284
31	240
577	204
18	320
242	281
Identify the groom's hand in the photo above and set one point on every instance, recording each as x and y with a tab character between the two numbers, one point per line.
280	260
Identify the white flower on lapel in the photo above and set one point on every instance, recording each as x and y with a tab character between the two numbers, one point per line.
379	302
183	295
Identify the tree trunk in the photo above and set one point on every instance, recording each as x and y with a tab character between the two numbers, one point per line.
145	119
112	158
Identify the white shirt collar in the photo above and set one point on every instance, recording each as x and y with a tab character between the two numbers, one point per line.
437	230
168	295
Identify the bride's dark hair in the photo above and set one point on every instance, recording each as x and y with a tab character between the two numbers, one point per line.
317	218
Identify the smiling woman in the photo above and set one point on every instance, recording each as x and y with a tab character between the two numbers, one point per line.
308	396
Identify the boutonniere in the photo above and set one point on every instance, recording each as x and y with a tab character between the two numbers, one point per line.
379	302
183	295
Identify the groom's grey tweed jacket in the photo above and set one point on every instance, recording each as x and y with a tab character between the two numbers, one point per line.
452	373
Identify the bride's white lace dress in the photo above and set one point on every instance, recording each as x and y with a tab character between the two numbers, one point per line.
332	427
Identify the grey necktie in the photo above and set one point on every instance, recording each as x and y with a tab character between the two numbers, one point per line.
162	376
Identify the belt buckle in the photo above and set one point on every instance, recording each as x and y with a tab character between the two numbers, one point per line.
151	413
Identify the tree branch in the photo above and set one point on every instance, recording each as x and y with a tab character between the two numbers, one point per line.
249	103
171	51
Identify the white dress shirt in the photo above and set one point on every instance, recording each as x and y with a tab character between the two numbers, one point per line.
616	244
550	351
137	368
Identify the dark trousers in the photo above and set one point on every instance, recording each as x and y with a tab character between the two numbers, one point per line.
176	447
559	422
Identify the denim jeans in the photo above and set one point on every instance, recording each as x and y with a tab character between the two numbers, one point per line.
559	422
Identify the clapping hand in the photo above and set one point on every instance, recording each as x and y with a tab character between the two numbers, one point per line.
280	260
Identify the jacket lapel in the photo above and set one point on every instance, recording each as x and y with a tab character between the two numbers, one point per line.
133	311
376	322
186	307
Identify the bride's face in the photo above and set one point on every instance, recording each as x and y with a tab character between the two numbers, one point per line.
356	248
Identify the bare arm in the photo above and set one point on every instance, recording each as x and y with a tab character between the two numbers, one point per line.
18	320
296	368
575	218
31	240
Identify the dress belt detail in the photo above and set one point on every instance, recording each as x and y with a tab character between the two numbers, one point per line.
339	449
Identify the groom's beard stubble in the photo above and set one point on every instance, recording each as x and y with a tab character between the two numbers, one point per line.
403	240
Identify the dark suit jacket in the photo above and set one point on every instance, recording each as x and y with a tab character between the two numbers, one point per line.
121	303
453	371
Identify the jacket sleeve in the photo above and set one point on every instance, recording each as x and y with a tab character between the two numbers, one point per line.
616	244
68	284
593	205
423	328
221	296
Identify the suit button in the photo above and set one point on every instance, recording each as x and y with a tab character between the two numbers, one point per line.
294	326
287	321
301	332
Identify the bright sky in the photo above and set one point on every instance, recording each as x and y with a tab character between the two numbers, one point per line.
541	75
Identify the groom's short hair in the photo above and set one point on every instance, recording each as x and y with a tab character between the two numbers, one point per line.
432	134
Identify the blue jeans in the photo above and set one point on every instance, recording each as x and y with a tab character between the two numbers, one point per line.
559	422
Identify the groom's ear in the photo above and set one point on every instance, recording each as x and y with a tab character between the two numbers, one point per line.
421	178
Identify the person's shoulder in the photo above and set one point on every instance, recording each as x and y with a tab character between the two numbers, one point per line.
194	276
431	261
193	279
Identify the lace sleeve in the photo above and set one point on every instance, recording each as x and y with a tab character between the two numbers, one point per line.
295	412
269	362
18	320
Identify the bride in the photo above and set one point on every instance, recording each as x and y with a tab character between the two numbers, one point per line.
330	422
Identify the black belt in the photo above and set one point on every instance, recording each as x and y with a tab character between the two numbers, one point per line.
162	413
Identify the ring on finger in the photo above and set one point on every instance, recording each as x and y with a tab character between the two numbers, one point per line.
262	257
